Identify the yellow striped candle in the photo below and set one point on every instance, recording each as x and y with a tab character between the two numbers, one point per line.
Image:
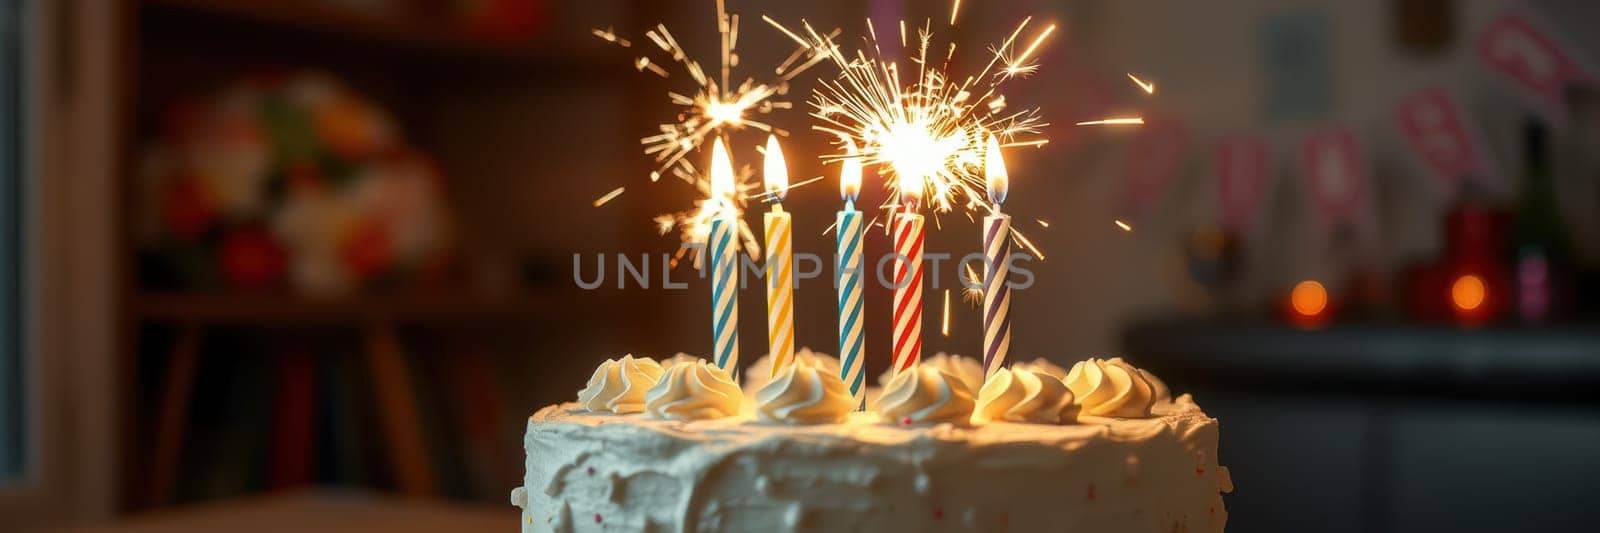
723	248
780	262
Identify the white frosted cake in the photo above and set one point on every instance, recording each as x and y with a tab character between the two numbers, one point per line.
1101	448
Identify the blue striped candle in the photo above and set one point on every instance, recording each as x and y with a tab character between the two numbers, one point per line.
847	281
725	295
852	358
723	246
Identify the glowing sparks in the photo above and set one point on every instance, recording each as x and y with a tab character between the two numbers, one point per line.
1123	225
609	196
1043	223
955	8
1148	88
716	106
921	125
1113	122
972	290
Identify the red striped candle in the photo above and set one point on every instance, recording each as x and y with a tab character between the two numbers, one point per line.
908	233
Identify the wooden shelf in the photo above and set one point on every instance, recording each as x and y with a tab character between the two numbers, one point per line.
339	28
286	309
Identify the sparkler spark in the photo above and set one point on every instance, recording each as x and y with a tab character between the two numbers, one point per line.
922	125
1149	88
1113	122
945	328
1123	225
716	106
972	290
609	196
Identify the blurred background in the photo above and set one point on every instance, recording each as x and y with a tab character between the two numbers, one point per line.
310	263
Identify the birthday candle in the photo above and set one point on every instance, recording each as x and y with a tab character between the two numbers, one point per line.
780	262
847	269
908	232
996	246
724	264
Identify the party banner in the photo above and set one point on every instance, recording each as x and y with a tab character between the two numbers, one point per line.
1533	59
1243	168
1336	174
1437	132
1155	157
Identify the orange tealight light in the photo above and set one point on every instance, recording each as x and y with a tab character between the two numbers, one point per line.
1469	298
1308	302
1468	293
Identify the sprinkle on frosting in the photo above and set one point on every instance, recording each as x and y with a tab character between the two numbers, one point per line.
1024	396
619	385
1162	393
1042	366
804	393
964	368
926	395
693	391
1110	388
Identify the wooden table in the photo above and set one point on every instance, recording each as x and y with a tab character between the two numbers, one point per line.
318	511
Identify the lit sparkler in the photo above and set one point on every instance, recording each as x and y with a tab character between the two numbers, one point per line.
922	125
717	106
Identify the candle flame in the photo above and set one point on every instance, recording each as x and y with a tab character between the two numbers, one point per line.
774	171
994	170
849	173
721	173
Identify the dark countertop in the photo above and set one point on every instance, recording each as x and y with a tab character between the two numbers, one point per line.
1556	363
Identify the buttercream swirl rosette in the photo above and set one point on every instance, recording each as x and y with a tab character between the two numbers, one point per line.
759	373
1042	366
1162	393
695	390
966	369
926	395
619	385
1111	388
804	393
1024	396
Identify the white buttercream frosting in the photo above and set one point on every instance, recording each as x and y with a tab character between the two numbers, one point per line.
1024	396
1162	393
693	391
760	372
600	472
619	385
926	395
1042	366
1110	388
967	369
804	393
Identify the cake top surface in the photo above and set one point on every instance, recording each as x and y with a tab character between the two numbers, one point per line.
870	427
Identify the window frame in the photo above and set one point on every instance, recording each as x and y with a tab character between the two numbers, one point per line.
72	65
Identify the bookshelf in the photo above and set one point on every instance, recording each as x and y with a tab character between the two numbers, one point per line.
428	377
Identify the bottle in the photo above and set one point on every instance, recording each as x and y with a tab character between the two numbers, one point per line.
1540	247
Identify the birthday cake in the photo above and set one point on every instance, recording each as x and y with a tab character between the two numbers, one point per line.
680	446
